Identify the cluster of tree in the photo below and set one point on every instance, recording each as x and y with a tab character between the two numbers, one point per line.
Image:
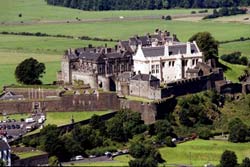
97	137
145	4
225	12
238	131
29	71
229	159
198	109
144	154
235	58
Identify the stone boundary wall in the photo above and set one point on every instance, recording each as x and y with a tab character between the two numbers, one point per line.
87	102
39	160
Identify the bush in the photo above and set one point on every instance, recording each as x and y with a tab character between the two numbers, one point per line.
235	58
169	142
53	161
168	17
204	134
99	151
228	159
193	12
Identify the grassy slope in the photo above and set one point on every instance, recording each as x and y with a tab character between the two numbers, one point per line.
125	29
62	118
38	10
235	70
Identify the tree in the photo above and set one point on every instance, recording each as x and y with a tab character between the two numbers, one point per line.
53	161
163	129
237	131
29	71
245	162
228	159
2	163
207	44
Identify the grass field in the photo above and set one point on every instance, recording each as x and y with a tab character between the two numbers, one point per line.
9	61
49	45
120	30
242	46
38	10
99	164
15	116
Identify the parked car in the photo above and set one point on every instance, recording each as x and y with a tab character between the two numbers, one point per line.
77	158
29	120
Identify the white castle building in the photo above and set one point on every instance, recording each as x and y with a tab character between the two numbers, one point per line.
168	62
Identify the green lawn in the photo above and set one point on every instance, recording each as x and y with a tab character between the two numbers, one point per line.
198	152
99	164
201	152
24	155
16	116
62	118
38	10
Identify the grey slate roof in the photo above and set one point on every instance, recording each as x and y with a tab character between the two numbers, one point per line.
174	49
4	145
144	77
10	95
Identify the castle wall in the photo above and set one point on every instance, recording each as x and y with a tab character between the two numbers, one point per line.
87	102
86	78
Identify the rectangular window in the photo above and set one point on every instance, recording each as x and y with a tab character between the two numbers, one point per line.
163	64
157	68
193	61
153	69
169	63
173	63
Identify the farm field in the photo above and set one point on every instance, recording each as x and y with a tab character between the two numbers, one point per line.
49	45
41	12
120	30
242	46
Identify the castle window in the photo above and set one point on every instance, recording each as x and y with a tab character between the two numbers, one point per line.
170	53
153	69
163	64
197	61
192	51
173	63
157	68
169	63
186	62
193	62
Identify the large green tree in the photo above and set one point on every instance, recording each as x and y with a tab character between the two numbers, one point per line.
228	159
29	72
207	44
237	131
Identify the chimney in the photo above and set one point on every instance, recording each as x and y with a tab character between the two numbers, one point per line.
166	50
188	48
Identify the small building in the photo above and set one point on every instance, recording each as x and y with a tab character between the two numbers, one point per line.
5	154
144	85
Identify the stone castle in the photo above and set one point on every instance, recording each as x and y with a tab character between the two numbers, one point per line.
143	66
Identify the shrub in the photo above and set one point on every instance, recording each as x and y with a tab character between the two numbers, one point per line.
169	142
168	17
204	134
193	12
